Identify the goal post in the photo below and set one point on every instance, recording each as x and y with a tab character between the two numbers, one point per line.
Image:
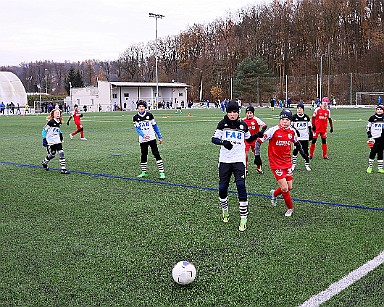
368	98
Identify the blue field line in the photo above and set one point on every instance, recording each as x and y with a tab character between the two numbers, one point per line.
185	186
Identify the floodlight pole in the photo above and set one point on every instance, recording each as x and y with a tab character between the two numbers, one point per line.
156	16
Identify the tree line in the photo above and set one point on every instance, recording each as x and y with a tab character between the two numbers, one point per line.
257	50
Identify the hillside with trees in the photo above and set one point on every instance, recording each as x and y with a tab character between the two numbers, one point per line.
257	49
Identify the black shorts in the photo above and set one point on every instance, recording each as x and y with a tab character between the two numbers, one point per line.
227	169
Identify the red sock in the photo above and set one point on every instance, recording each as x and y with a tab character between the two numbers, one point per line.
324	147
288	199
277	192
312	150
81	134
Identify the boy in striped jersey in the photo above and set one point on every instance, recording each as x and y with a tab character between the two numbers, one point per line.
230	134
375	132
147	129
302	123
53	139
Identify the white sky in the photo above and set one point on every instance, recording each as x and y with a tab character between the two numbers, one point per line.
77	30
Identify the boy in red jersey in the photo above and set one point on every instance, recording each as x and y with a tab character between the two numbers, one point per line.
76	118
254	123
281	138
320	119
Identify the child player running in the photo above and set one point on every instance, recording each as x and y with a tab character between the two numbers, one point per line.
53	139
280	139
375	132
230	135
76	118
302	123
147	129
254	123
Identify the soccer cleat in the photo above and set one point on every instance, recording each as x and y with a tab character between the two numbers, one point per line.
273	198
246	173
243	224
83	139
142	175
64	171
369	170
45	165
71	136
380	170
260	171
162	175
289	212
225	215
293	167
326	158
310	157
307	168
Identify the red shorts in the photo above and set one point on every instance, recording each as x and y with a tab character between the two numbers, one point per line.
283	173
323	135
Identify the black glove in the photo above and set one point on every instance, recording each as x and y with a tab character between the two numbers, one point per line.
81	115
227	144
45	143
258	160
313	128
68	122
310	135
331	130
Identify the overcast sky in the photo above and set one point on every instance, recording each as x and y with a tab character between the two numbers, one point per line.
76	30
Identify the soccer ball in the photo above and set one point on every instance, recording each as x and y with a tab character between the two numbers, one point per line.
184	273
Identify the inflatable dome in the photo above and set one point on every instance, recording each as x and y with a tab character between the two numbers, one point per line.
11	89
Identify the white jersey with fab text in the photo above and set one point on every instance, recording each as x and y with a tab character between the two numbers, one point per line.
235	132
302	123
52	132
146	123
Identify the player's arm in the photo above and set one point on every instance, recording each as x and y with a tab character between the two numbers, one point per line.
313	123
216	139
330	124
44	136
69	119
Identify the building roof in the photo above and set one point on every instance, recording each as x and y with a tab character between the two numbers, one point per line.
149	84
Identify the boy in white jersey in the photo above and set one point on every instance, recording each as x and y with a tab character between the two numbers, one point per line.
53	139
230	135
302	123
375	132
147	129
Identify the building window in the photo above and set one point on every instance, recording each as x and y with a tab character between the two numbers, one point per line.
114	96
180	94
126	95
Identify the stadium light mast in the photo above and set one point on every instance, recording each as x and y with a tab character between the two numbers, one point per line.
156	16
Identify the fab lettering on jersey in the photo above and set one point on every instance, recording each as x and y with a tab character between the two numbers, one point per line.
235	137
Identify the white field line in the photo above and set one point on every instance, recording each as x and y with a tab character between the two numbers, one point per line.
345	282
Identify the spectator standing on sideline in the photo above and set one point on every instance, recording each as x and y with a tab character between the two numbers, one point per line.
302	123
255	125
281	137
375	132
76	115
147	129
320	118
53	140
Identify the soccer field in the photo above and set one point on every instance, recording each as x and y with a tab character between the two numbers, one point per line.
100	236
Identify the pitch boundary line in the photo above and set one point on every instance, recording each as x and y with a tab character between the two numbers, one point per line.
181	185
345	282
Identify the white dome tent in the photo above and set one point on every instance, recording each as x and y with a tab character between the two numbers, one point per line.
11	89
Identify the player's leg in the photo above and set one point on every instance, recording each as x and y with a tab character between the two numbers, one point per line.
294	158
159	161
313	145
225	173
304	145
247	147
51	149
80	129
63	164
239	173
324	146
380	157
143	159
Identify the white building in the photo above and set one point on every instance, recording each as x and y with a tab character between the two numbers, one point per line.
109	96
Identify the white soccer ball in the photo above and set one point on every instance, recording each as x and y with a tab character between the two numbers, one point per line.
184	273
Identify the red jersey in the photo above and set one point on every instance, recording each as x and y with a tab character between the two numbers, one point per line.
76	116
254	125
320	119
280	145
